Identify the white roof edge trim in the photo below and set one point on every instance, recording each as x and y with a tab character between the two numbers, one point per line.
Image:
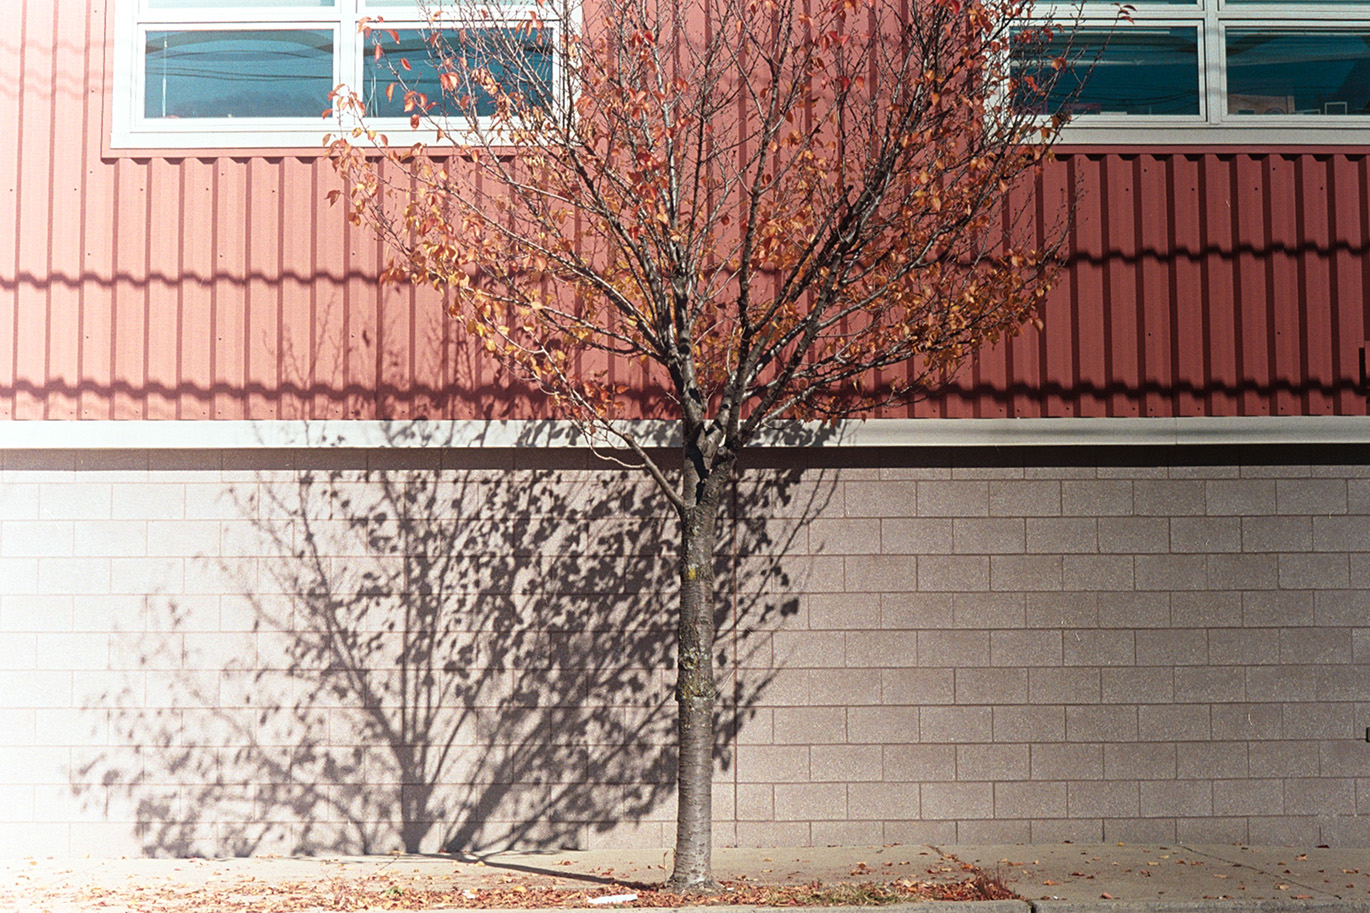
1027	432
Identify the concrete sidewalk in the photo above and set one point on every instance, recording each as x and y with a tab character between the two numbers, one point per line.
1054	878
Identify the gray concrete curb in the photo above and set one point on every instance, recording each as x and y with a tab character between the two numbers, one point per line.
1200	906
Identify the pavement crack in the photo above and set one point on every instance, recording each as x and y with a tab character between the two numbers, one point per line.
1278	877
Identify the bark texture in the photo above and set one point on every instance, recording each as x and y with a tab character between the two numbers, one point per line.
696	691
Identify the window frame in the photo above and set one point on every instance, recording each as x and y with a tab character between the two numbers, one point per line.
131	131
1213	125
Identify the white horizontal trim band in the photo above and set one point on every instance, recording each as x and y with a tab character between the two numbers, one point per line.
1027	432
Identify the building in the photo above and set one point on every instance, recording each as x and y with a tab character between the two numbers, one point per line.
283	569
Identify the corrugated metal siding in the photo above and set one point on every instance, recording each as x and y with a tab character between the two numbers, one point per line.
210	286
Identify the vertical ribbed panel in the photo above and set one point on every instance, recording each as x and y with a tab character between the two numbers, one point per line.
223	286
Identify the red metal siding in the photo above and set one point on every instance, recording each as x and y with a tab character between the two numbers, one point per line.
223	286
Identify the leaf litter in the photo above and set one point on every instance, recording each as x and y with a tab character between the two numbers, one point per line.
384	892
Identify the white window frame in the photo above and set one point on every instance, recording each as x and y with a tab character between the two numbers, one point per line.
1213	125
130	130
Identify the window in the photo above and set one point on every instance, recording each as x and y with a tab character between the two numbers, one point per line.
194	74
1211	71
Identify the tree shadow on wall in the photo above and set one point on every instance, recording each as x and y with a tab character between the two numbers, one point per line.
429	655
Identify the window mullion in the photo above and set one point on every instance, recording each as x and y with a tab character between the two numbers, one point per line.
1213	61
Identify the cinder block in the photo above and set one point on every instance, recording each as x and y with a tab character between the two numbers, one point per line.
1171	572
1345	758
1103	798
153	501
1240	498
1284	830
846	833
954	801
1341	533
1135	610
180	538
822	649
1343	682
1037	498
1314	646
882	499
1314	572
1169	497
959	573
1211	760
842	612
810	801
937	833
1098	572
1277	534
917	686
1173	722
879	725
1061	610
1058	761
1176	798
1319	796
1282	759
76	650
810	725
1209	683
984	536
1030	800
883	801
993	762
1062	535
1139	830
18	500
1026	648
953	648
845	687
915	536
988	610
880	574
1134	535
909	763
998	831
755	802
1246	722
1067	685
1029	724
1277	609
990	686
1025	572
1172	647
37	539
1207	609
838	536
74	501
1341	608
1205	534
845	763
873	649
1311	496
1102	723
1100	647
905	611
65	576
1243	646
1068	830
1096	498
1130	685
1212	830
1323	720
953	499
773	833
940	725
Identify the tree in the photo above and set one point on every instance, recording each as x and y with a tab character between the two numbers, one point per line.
769	209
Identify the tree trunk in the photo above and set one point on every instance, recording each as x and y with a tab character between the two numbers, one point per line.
695	689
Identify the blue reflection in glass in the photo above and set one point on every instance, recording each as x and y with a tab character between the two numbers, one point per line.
520	63
1124	71
238	73
1284	72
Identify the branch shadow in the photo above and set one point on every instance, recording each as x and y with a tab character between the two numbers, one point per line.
433	651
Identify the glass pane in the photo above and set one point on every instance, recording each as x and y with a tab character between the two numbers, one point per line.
1128	70
238	73
521	64
1282	72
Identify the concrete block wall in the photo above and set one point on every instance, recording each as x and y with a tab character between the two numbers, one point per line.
349	650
